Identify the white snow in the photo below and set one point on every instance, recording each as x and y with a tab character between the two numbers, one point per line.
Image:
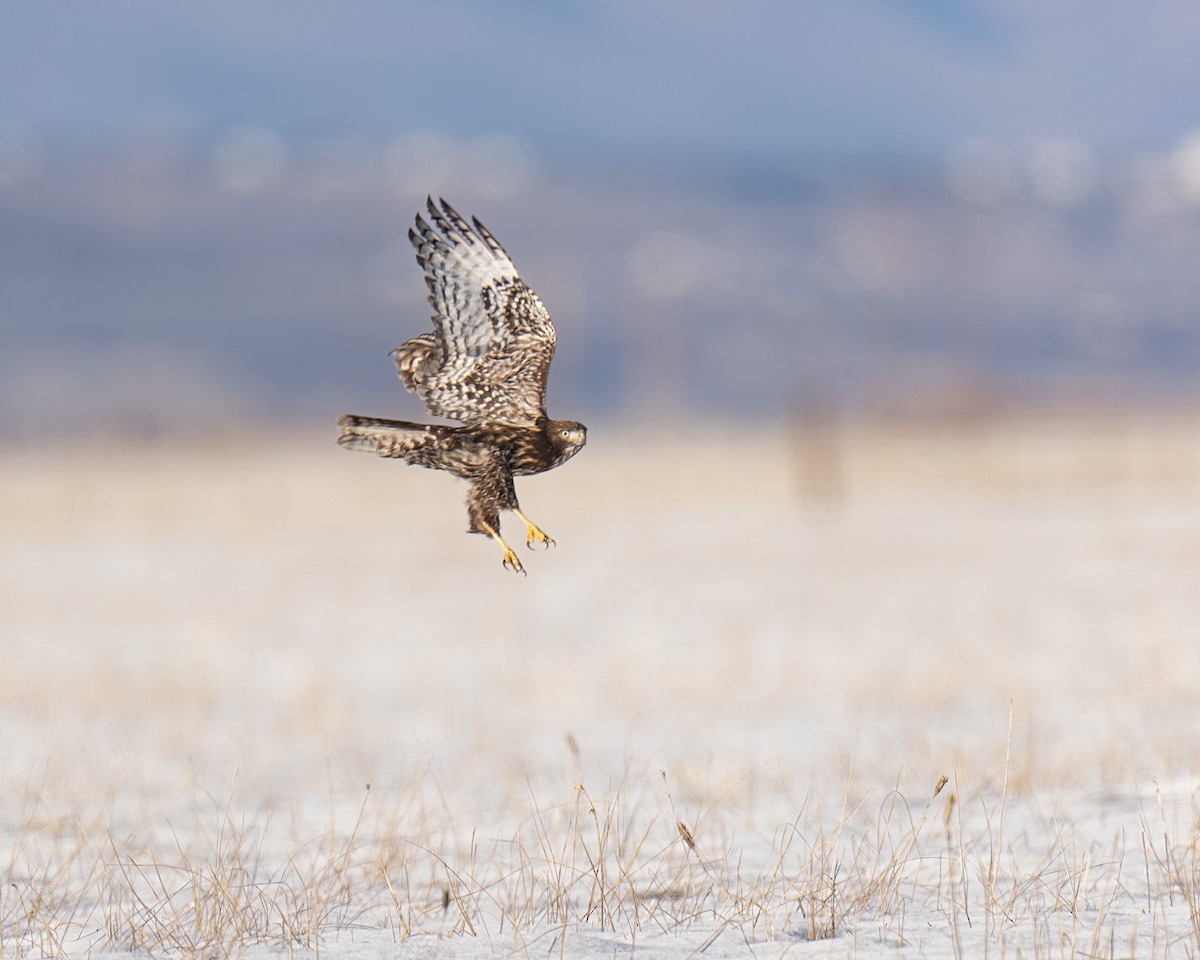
269	699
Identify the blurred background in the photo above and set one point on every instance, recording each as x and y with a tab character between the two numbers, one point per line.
758	210
930	266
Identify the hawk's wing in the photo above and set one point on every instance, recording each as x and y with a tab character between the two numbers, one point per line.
490	351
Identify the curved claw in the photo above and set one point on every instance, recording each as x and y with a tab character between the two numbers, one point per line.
535	535
511	562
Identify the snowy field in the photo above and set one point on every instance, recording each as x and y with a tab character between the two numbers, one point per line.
873	691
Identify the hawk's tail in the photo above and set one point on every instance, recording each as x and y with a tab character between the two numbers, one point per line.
387	438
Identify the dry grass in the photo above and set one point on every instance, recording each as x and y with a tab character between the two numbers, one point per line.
888	873
273	699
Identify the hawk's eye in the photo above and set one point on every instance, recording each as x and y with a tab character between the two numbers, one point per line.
564	433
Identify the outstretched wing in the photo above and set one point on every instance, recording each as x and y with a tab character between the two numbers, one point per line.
489	354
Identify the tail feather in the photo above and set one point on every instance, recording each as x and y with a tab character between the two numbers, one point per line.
386	438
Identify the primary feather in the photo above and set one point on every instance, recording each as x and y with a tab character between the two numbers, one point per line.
489	354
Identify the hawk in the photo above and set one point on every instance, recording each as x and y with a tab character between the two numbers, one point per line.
485	365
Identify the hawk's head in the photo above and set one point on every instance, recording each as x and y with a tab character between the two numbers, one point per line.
566	436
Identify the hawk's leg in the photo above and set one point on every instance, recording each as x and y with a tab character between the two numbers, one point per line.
492	489
510	561
533	533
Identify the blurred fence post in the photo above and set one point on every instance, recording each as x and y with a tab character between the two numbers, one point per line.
816	436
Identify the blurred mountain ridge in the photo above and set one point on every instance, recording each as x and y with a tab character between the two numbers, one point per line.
163	285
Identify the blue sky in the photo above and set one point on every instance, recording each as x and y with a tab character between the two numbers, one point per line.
227	184
758	78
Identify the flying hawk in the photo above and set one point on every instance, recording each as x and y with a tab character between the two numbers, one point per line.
485	365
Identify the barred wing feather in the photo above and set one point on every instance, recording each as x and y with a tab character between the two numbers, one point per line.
489	354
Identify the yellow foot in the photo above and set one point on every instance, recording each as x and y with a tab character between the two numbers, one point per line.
534	533
511	561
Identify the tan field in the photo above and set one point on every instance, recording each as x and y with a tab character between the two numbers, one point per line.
265	697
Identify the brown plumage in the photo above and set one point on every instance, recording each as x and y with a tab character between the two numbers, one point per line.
485	364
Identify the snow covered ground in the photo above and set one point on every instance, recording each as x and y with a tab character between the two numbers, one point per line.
267	699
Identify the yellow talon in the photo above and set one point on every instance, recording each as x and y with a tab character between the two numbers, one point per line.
511	561
534	533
